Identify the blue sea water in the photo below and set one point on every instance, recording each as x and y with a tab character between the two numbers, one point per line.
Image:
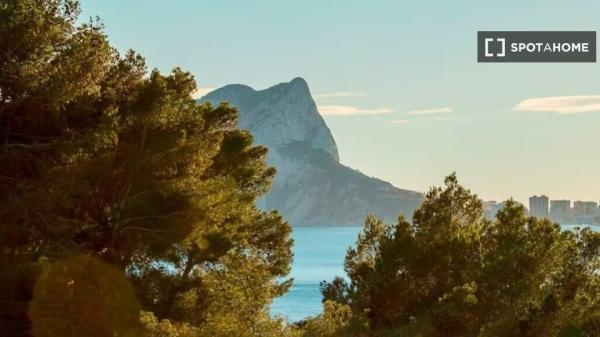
319	253
319	256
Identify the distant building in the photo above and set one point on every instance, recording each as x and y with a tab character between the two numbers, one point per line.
585	208
538	206
584	212
560	210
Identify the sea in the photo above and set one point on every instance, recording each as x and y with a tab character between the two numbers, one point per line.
319	253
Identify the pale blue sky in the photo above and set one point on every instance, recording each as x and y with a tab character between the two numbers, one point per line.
397	56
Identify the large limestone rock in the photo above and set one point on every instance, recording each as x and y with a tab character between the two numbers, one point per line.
311	186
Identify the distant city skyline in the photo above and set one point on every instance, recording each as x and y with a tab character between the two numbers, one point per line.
398	83
558	210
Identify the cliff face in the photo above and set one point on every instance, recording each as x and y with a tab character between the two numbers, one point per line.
311	186
278	115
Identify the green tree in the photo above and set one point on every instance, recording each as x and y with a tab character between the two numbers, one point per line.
454	273
100	158
333	322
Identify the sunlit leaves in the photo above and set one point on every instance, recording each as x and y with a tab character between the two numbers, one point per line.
453	273
100	158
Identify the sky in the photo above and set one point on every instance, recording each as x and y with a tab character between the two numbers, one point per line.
398	82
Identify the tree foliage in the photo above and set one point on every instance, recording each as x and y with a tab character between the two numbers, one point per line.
101	158
454	273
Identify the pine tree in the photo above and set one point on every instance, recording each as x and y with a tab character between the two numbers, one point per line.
451	272
119	169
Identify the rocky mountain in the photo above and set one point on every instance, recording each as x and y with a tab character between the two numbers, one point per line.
311	186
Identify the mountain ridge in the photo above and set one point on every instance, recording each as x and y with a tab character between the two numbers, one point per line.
311	186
